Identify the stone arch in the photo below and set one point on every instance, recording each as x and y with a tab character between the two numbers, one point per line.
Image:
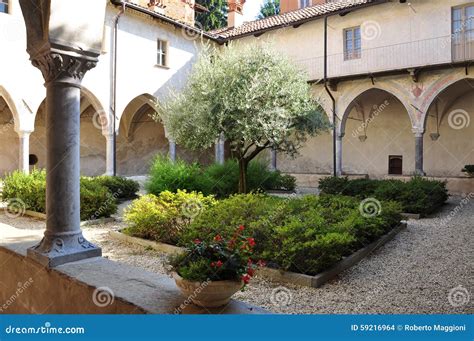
9	154
436	90
140	138
449	127
8	98
346	104
94	125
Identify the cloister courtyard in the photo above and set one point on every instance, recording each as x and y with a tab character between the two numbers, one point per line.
317	160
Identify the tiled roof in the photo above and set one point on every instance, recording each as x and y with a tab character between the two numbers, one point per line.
290	18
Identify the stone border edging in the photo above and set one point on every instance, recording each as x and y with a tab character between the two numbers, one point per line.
166	248
415	216
281	275
83	223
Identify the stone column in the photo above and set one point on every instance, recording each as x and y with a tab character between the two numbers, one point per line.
63	241
24	159
110	155
339	153
419	153
273	160
172	150
220	150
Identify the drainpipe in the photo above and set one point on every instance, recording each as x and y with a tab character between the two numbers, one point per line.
114	86
334	128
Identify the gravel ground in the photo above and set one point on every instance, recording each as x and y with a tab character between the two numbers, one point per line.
414	273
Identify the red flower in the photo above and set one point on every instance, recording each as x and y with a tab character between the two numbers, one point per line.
197	241
250	272
249	262
261	263
219	264
213	264
241	227
218	238
246	278
251	241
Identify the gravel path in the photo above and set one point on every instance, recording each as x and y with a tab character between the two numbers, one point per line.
414	273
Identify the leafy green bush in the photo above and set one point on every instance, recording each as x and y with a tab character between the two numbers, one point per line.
418	195
164	217
120	187
216	179
307	234
31	189
166	175
96	200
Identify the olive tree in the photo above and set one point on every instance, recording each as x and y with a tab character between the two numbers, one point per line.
255	97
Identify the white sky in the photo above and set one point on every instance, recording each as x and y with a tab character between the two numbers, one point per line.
251	9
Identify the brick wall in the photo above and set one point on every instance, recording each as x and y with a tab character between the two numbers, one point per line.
181	10
293	5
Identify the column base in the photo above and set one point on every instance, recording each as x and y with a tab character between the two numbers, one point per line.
54	250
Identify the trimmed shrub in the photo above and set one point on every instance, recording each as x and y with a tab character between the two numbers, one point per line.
166	175
120	187
419	195
96	200
218	180
164	217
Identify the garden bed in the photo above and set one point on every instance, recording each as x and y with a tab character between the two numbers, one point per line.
277	275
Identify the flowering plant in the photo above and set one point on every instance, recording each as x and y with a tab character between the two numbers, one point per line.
218	260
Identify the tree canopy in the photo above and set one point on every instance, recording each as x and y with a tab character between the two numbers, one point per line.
269	8
215	18
256	98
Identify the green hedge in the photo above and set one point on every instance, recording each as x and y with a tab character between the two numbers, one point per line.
306	235
120	187
96	200
419	195
218	180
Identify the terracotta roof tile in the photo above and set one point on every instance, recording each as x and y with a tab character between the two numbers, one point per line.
290	18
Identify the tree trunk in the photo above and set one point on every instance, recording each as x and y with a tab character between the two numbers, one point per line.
243	163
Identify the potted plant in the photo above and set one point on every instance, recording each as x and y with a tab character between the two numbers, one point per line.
469	169
209	273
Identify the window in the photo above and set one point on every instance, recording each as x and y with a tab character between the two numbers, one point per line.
33	159
352	43
395	164
305	3
463	32
3	6
162	54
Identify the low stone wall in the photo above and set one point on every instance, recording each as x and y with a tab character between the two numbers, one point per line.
92	286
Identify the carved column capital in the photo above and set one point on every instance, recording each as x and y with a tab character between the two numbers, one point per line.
59	66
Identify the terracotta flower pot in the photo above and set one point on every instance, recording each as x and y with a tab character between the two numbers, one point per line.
207	294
